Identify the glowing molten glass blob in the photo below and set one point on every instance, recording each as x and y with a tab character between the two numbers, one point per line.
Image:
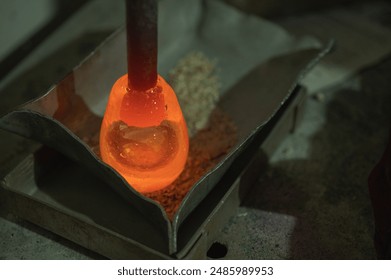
144	135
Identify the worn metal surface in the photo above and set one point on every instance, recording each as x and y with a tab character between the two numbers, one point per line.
61	134
51	191
67	118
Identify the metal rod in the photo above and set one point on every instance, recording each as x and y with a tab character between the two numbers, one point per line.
141	30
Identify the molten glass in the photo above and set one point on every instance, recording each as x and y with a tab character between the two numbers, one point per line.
144	135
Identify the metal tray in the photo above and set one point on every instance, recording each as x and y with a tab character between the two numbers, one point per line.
73	193
60	195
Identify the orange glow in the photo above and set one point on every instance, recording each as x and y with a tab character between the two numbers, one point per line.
144	135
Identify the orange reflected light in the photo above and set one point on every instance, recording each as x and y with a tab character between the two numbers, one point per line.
144	135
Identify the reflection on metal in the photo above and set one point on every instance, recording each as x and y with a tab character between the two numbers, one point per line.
76	199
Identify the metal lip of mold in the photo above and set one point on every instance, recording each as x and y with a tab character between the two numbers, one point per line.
67	119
